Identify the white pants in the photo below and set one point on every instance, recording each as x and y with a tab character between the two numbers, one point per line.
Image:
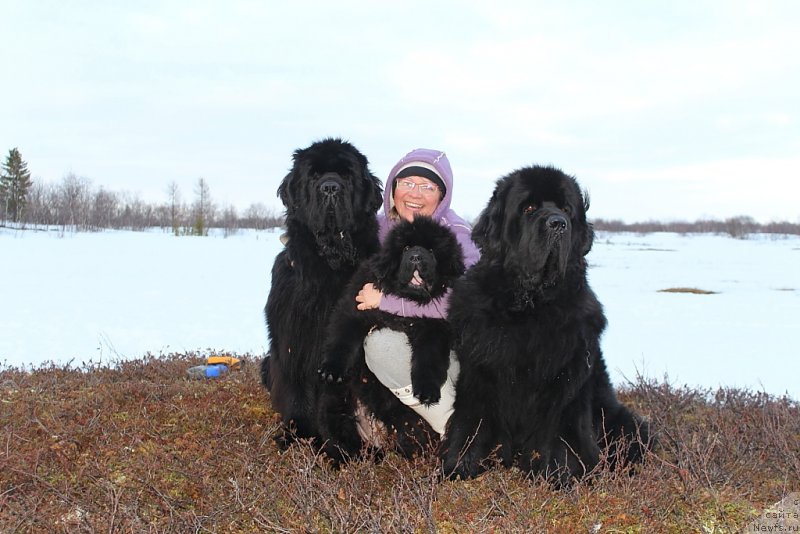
388	356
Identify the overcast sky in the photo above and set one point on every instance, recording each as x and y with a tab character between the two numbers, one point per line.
662	110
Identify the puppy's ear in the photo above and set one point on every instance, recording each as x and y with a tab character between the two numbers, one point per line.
488	231
449	254
382	265
455	265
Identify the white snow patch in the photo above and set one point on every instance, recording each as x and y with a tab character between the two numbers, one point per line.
116	295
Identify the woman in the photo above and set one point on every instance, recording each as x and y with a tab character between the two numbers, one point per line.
419	184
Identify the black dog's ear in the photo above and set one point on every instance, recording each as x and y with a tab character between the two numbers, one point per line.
372	196
375	192
488	231
284	191
588	238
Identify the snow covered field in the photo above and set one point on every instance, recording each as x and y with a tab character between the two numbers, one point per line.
116	295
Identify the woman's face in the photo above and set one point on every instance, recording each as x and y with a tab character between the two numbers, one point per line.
415	195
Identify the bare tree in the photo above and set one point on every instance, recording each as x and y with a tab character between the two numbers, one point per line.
37	204
104	209
136	213
260	217
229	220
740	226
174	207
73	205
203	208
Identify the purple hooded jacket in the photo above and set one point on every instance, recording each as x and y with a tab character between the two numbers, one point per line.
443	214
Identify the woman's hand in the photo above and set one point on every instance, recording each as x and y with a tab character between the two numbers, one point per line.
369	297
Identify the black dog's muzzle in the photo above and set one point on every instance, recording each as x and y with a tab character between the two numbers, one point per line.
556	223
420	260
330	185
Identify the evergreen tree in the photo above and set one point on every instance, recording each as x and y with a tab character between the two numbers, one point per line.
15	183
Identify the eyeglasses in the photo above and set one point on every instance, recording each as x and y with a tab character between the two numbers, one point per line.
426	189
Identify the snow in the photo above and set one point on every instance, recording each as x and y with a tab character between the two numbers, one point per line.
741	336
118	295
113	295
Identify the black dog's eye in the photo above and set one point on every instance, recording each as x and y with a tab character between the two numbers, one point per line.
406	249
567	210
530	208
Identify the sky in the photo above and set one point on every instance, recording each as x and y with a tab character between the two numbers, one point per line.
110	296
662	110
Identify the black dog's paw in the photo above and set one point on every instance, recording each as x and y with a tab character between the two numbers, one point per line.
461	465
284	438
331	371
427	391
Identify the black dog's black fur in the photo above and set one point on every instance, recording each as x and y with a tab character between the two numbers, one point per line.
533	385
419	261
331	200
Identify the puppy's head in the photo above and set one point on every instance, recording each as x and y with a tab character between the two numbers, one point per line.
419	260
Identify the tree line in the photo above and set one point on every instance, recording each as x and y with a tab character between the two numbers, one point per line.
75	204
738	227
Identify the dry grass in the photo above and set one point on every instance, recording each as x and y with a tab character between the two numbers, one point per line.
140	448
692	290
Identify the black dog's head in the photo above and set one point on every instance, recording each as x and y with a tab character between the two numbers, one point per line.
419	260
535	226
330	188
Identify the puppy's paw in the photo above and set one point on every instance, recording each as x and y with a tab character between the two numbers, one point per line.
428	392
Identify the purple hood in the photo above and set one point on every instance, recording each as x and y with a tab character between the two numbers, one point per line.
436	159
443	215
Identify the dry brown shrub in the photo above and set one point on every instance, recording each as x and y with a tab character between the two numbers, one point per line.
140	448
693	290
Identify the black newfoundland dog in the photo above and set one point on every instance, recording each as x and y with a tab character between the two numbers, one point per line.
331	200
533	387
419	261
